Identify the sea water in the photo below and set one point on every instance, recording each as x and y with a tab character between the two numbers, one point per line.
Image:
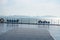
53	30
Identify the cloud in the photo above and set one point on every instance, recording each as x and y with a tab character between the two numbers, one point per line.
2	2
32	8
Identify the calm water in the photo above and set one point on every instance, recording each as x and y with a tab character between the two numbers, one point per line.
53	30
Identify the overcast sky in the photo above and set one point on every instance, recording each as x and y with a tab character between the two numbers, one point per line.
30	7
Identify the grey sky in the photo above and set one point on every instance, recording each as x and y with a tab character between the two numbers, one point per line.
30	7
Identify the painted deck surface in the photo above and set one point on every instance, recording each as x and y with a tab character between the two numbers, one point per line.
26	32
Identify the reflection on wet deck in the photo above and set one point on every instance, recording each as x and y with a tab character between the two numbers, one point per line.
24	32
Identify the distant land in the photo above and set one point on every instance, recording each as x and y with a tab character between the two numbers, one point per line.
19	16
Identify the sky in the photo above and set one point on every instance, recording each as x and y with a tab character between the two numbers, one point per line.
30	7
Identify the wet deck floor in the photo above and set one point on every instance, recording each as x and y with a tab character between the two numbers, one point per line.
26	32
